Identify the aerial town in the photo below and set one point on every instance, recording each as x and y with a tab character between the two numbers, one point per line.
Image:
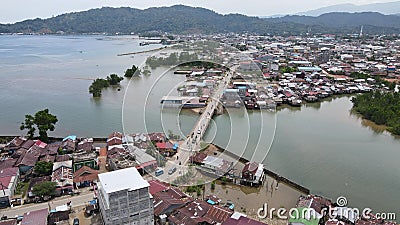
120	179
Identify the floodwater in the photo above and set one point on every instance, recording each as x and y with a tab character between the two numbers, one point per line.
322	146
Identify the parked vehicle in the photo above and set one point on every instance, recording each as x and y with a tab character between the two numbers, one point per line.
172	170
159	172
76	221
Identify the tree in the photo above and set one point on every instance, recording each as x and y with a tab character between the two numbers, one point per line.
45	188
97	85
43	168
44	122
131	72
114	79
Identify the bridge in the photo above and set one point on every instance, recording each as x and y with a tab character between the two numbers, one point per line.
192	143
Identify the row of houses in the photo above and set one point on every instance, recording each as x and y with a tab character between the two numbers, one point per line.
59	215
74	165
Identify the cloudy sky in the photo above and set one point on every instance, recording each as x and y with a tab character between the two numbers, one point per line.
17	10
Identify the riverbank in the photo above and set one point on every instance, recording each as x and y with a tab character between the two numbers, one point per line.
272	174
276	191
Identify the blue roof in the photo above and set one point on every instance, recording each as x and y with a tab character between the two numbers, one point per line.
92	202
211	202
72	137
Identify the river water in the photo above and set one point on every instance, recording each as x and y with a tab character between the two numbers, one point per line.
322	146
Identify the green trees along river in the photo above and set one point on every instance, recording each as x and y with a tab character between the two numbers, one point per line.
381	108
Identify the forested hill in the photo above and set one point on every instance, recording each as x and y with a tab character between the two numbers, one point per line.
185	19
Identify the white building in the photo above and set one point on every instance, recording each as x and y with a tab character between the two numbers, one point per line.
124	198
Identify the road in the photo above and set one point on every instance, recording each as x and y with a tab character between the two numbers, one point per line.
78	200
192	143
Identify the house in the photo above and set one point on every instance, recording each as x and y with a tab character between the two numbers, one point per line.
50	149
168	200
83	158
14	144
119	158
157	186
55	217
27	160
68	145
166	148
198	158
7	163
314	202
124	198
157	137
241	219
62	158
8	222
36	180
215	165
145	162
62	176
38	217
253	173
85	176
86	144
198	212
9	178
125	156
114	138
27	144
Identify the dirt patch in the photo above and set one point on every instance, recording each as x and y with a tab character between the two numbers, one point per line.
79	212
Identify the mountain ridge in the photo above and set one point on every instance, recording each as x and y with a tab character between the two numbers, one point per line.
186	19
387	8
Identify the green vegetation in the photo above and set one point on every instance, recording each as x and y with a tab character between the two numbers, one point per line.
43	120
21	189
43	168
184	19
151	150
213	185
5	140
173	136
196	188
288	69
45	188
98	84
381	108
173	59
114	79
131	71
224	180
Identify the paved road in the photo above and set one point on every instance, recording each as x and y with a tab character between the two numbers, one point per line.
192	143
78	200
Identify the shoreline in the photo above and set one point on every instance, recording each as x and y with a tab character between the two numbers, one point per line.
141	52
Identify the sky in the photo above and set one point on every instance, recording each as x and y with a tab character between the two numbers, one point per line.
17	10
